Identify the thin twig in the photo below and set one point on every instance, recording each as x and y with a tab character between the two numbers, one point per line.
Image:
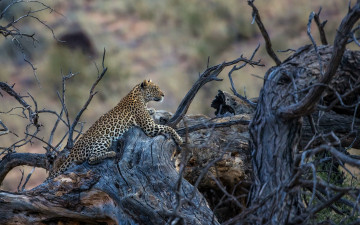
321	26
233	89
9	90
70	142
311	17
256	17
27	179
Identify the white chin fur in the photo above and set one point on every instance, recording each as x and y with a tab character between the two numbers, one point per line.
162	98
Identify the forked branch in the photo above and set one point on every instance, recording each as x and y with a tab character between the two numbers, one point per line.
321	26
17	34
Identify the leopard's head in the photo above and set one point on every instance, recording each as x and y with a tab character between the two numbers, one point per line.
151	91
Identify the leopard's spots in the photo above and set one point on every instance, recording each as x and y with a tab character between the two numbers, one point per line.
131	111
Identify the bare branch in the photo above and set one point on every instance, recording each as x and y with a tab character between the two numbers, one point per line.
21	179
233	89
42	140
54	129
12	160
27	179
3	130
321	26
339	98
256	17
311	17
336	153
210	74
319	207
70	142
11	30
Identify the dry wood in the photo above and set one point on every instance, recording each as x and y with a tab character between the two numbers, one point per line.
136	188
290	91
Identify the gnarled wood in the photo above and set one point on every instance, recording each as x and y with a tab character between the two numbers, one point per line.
138	187
275	136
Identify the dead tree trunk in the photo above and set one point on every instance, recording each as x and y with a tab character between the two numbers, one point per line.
140	186
274	144
293	90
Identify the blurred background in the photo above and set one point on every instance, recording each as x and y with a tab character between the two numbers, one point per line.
167	41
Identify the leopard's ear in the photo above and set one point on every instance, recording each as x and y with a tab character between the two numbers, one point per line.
144	84
149	81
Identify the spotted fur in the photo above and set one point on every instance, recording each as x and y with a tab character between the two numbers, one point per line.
130	112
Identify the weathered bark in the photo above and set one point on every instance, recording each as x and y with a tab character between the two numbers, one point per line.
275	136
218	157
227	150
138	187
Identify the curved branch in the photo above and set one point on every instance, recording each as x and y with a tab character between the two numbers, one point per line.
308	103
13	160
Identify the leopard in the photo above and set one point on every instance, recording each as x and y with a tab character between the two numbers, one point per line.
93	146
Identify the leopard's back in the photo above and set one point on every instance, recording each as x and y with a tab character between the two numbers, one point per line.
131	111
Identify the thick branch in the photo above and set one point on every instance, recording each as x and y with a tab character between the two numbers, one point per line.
308	103
12	160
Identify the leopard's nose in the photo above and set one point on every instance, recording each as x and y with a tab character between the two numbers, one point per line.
162	94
